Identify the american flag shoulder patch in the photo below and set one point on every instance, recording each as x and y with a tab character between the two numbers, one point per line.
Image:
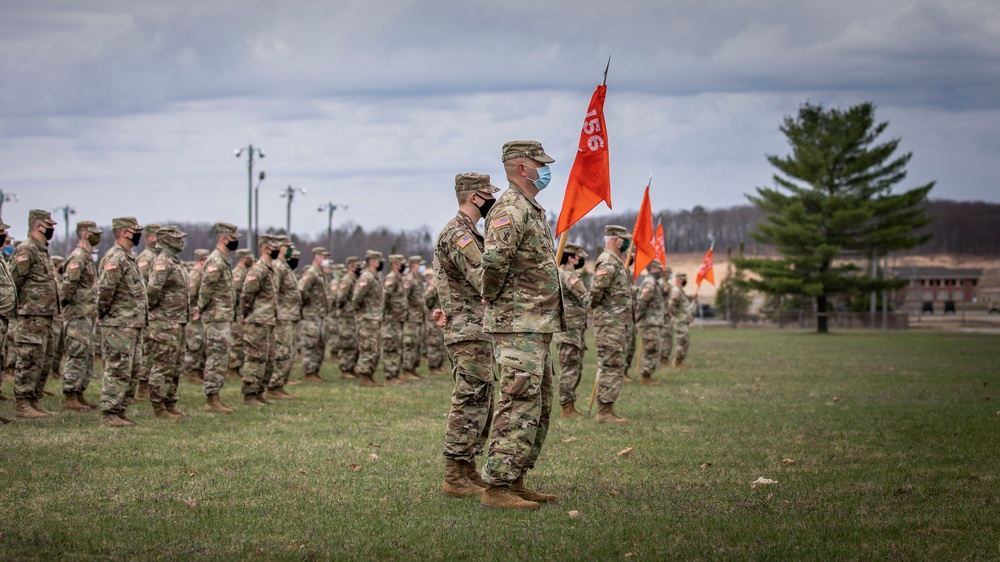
601	271
213	268
110	265
143	263
362	283
251	277
160	267
22	257
499	222
464	241
73	265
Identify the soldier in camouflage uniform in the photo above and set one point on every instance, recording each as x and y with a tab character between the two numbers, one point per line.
79	299
413	289
313	288
217	307
524	308
458	255
194	332
680	319
37	304
613	315
368	305
144	261
121	310
331	324
435	335
667	345
394	301
8	306
347	316
289	312
169	311
58	327
649	311
258	311
244	261
572	343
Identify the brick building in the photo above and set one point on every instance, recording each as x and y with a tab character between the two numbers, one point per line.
936	285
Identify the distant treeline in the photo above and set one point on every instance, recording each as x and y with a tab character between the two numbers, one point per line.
960	227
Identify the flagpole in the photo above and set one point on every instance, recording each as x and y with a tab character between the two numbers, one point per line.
562	246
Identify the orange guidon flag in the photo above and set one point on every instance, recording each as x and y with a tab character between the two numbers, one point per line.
660	244
590	179
707	269
642	235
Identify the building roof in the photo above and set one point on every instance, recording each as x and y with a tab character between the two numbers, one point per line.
935	273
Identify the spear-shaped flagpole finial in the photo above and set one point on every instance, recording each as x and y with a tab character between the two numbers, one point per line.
605	82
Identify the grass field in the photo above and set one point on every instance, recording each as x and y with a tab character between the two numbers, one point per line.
883	446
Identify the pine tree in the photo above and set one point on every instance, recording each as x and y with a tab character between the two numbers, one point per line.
833	200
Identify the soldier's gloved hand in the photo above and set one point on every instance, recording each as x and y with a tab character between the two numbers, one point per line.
440	318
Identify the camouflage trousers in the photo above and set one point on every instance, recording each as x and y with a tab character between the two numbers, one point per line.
629	346
521	419
411	345
435	346
348	344
611	341
471	399
667	340
369	343
258	360
122	359
331	334
10	353
312	344
194	349
284	352
236	349
392	348
682	339
34	342
164	342
78	370
218	341
59	347
651	343
571	347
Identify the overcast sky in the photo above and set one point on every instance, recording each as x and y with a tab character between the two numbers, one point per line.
133	107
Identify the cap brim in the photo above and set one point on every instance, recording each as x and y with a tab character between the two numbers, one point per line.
491	189
234	234
543	158
4	226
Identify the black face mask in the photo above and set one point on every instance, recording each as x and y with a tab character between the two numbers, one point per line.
273	254
381	266
402	269
684	283
356	271
136	237
94	239
232	245
3	238
579	265
293	263
49	233
484	209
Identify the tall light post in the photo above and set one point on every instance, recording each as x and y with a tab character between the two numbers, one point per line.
256	211
7	196
66	211
290	194
330	208
250	150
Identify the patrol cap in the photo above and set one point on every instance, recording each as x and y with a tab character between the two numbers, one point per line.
151	229
243	253
40	215
667	269
125	222
615	230
3	225
417	260
575	249
227	229
525	149
373	255
174	232
87	226
471	181
397	258
681	276
295	252
655	265
269	239
283	240
320	251
201	253
351	260
337	267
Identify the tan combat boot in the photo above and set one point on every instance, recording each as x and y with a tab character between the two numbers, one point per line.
38	408
313	377
520	490
500	497
173	409
142	393
648	380
628	379
368	382
472	473
278	394
409	376
606	414
678	364
5	421
111	420
347	375
83	400
395	380
456	482
215	405
72	402
124	417
569	411
24	410
160	411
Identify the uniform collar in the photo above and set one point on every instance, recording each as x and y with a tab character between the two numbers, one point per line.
520	192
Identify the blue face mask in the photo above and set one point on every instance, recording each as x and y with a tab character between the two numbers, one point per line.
8	251
544	177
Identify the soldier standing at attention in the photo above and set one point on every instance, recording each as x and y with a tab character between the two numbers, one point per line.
144	261
37	304
313	288
392	322
680	318
217	307
347	317
8	305
169	311
668	330
194	332
79	300
258	311
458	254
523	309
571	343
435	335
613	314
413	287
289	313
58	326
244	261
649	311
367	301
121	310
331	324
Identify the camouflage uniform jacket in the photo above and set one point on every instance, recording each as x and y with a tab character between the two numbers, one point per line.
576	299
520	275
289	299
611	292
259	297
664	286
144	261
395	297
680	305
313	288
79	287
121	292
35	279
649	306
332	305
239	272
413	286
367	297
217	293
345	292
194	287
458	256
431	298
8	294
167	289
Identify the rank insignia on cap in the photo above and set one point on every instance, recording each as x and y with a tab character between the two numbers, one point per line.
160	267
74	265
502	221
464	241
601	272
109	266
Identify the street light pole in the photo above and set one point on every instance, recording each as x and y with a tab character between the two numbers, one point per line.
256	210
290	194
7	196
66	212
250	151
330	208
